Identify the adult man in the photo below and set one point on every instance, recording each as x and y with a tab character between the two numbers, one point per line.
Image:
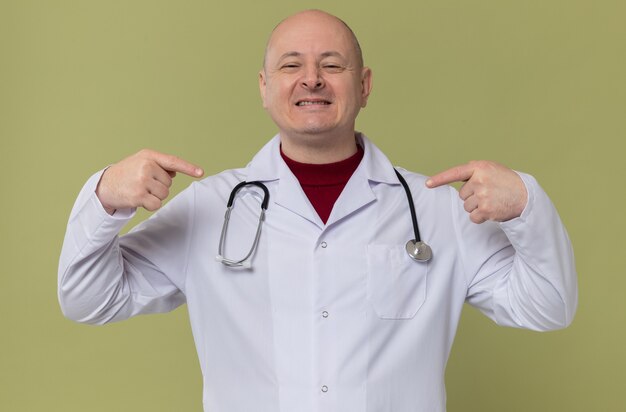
333	315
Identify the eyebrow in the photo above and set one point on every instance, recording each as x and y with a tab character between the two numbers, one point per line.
289	54
332	54
323	55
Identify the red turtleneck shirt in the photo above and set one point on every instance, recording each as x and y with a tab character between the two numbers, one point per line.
323	183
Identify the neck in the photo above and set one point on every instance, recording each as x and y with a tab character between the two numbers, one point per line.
316	151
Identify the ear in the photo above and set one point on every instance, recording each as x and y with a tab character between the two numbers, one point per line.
262	86
366	85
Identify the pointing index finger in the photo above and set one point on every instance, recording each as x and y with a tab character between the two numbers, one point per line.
460	173
176	164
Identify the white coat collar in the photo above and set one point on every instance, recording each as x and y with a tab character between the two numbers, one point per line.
268	165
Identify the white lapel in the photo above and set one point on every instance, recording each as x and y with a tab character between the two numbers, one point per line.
268	165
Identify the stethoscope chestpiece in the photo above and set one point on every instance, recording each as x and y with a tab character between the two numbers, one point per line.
419	251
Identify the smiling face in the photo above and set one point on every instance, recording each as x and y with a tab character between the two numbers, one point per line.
313	83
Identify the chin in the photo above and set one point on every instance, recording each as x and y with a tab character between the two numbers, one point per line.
316	127
313	130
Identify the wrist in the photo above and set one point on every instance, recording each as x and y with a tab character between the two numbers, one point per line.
109	209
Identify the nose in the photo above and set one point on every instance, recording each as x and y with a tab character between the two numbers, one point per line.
312	79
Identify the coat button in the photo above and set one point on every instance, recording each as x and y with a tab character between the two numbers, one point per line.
324	388
323	245
325	314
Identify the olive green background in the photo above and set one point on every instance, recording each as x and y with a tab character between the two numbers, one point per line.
537	85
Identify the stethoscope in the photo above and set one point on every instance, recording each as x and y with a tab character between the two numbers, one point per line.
415	248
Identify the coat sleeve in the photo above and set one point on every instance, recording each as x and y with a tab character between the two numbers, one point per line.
520	273
104	278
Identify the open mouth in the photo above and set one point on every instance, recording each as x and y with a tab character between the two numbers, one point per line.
312	103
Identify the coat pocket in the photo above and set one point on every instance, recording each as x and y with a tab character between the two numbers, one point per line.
396	284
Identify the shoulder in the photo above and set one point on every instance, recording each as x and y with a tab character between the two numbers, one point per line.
214	188
417	184
226	179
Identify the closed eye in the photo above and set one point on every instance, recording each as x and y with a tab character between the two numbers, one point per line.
290	66
333	68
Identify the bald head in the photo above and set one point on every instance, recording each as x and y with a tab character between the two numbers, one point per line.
321	19
313	85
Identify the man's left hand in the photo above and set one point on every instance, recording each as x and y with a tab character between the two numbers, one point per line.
491	191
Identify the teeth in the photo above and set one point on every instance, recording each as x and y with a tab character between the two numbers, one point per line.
307	103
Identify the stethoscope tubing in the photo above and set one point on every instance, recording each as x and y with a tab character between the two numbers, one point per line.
409	197
245	262
415	248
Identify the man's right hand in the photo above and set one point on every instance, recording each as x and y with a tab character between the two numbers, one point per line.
141	180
